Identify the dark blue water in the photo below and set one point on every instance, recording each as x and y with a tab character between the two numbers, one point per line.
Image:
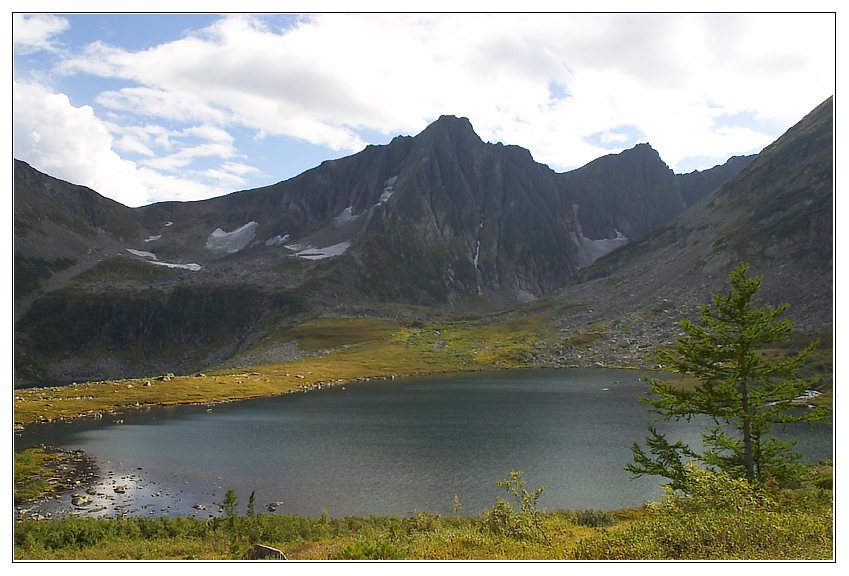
386	447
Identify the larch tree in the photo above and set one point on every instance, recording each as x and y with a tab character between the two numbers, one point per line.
743	388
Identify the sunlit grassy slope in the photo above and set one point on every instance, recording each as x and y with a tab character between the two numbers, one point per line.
339	349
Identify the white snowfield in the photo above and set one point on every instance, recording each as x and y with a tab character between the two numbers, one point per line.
313	253
344	217
591	250
152	238
151	258
232	242
277	240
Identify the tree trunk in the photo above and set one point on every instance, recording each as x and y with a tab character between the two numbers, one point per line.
748	453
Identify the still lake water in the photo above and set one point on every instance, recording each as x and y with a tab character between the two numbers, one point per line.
385	447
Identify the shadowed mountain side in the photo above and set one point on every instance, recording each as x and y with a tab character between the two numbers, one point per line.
776	214
439	220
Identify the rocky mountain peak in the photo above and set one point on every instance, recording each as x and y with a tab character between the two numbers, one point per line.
454	128
627	193
438	219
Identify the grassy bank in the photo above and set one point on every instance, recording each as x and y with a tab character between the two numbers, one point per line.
333	351
337	350
33	471
724	519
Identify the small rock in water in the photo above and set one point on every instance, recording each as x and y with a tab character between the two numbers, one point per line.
79	501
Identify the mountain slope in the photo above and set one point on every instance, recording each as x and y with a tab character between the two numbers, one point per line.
60	228
697	184
776	214
628	193
441	219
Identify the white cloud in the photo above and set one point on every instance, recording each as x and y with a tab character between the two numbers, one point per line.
561	85
175	105
169	187
73	144
34	32
186	155
70	143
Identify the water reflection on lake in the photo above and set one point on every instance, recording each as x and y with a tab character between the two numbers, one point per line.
385	447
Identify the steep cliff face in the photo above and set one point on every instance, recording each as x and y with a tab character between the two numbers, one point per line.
440	219
470	218
628	193
776	214
336	195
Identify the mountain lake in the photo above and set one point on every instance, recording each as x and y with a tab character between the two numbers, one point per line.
382	447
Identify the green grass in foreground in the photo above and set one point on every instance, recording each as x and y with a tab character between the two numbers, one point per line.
722	519
32	475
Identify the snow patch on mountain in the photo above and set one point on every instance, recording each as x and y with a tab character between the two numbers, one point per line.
231	242
478	243
591	250
277	240
344	217
142	253
152	259
388	189
313	253
152	238
191	266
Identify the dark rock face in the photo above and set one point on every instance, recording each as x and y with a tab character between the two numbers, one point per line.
469	218
629	193
776	214
697	184
296	208
440	219
60	226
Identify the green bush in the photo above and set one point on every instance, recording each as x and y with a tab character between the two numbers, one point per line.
593	518
720	518
751	534
526	524
423	522
502	520
370	550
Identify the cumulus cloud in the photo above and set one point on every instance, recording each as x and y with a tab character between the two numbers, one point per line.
561	85
333	75
73	144
70	143
34	32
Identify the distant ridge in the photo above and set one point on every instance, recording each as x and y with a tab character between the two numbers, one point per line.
438	221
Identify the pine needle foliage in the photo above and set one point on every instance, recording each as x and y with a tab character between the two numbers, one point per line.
743	391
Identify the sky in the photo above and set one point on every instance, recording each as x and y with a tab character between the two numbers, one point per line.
152	107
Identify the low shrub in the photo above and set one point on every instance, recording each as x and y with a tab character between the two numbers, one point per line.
593	518
719	518
370	550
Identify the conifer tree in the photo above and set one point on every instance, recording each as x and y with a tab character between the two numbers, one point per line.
742	390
